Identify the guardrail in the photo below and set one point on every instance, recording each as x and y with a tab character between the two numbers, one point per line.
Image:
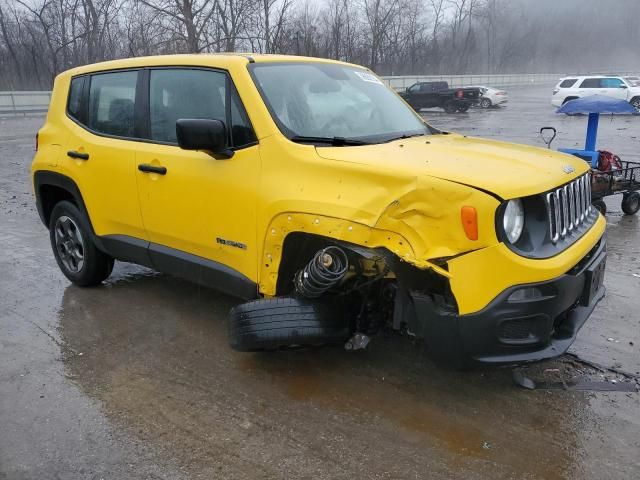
16	103
507	80
13	103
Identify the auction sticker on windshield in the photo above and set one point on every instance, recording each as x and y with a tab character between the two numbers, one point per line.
367	77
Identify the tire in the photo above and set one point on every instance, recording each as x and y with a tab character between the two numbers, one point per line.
450	107
76	255
486	103
601	206
463	108
635	101
286	322
631	203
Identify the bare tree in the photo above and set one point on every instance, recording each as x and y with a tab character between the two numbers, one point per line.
188	19
378	14
40	38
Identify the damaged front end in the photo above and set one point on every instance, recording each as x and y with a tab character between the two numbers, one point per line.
437	263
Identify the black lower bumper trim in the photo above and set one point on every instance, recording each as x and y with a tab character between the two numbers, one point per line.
514	330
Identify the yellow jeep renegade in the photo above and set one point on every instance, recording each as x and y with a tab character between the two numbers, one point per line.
310	189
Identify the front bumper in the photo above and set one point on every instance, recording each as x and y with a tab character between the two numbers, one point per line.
513	332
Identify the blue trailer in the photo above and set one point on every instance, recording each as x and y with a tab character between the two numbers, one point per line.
624	178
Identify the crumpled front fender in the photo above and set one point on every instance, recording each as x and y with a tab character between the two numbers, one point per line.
423	222
429	217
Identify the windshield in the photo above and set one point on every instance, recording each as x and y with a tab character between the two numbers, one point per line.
316	100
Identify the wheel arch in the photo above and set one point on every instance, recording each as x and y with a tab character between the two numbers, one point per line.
294	237
53	187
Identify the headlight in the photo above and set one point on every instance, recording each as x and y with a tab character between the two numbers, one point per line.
513	220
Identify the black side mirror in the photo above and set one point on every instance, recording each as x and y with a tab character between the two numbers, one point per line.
203	134
623	86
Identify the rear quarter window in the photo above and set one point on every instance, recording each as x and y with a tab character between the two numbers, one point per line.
567	83
74	102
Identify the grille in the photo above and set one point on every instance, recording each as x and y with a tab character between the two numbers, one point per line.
568	207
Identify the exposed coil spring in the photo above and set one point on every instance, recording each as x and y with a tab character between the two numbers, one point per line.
325	270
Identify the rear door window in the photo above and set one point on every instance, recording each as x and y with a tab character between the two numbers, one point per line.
111	103
591	83
568	82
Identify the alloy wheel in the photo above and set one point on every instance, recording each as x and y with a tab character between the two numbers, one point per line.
69	244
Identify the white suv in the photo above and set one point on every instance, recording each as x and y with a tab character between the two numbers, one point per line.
570	88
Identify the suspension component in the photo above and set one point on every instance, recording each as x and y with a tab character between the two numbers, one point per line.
327	267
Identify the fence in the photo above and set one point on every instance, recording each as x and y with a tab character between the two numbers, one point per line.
402	82
14	103
514	80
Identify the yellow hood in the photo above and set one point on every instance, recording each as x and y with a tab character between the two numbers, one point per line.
508	170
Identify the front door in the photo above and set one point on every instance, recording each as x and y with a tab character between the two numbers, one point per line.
198	209
614	87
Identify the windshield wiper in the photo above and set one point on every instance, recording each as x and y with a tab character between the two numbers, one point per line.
402	137
333	141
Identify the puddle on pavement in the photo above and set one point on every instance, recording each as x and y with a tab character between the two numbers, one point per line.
155	354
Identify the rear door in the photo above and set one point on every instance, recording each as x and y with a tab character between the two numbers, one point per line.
590	86
101	149
202	208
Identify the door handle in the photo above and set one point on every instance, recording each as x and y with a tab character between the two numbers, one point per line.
146	168
78	155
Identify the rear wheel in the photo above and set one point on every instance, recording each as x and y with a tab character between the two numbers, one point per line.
77	256
631	203
450	107
463	108
485	103
287	322
601	206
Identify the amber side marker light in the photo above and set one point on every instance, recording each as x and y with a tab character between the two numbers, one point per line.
469	218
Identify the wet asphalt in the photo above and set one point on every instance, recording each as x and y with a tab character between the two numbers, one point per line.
134	379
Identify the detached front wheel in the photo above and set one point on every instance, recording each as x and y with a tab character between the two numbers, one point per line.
287	322
76	255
